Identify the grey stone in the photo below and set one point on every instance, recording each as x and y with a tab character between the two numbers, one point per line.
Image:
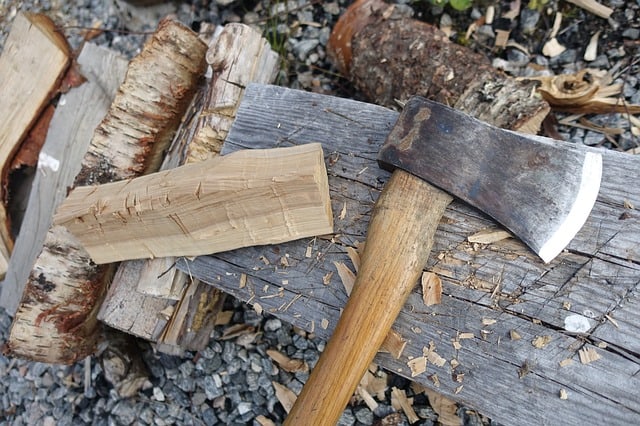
528	20
364	415
593	138
304	47
211	389
347	418
272	324
631	33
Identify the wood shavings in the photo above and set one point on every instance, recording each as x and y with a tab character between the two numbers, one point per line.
264	421
343	212
354	256
588	355
588	91
243	280
489	236
563	394
466	335
502	37
346	275
394	344
540	342
565	362
446	408
326	278
431	289
286	363
591	52
602	345
285	396
488	321
324	323
436	359
454	363
417	365
367	398
436	381
308	252
375	384
514	335
399	400
552	47
592	6
458	389
566	305
258	308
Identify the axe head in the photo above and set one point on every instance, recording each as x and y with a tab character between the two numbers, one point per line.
540	189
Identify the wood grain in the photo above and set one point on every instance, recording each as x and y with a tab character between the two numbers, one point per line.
597	277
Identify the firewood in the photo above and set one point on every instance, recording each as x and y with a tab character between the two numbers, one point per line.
390	58
250	197
148	297
56	321
33	62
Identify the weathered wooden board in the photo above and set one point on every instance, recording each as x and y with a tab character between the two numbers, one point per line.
67	140
503	376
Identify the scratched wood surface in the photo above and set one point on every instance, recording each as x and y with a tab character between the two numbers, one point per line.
498	299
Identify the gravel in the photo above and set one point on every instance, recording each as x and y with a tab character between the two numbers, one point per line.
231	381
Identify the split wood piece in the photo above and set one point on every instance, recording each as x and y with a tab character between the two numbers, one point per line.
251	197
502	281
56	321
34	60
70	131
239	55
594	7
391	58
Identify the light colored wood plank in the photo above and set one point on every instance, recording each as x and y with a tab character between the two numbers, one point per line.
502	281
250	197
33	61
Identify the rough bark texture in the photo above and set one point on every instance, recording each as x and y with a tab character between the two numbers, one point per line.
499	298
151	299
29	76
391	57
56	321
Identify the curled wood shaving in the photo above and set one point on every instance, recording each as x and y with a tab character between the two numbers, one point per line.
588	91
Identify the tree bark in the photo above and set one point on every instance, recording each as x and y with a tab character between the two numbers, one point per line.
56	321
390	58
29	77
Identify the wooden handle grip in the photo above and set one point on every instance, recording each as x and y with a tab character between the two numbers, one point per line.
399	240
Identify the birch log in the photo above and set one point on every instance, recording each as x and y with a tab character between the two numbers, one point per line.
56	320
34	60
150	299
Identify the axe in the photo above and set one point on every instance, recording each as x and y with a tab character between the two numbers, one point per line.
541	192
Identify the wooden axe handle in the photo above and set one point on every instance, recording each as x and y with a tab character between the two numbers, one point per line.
399	240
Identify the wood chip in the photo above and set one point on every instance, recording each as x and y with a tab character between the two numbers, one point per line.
343	212
436	359
553	48
285	396
243	280
565	362
488	321
394	344
346	275
540	342
264	421
431	289
436	381
466	335
258	308
591	52
563	394
354	256
367	398
399	400
417	365
326	278
489	236
375	384
446	408
594	7
502	37
588	355
286	363
324	323
308	252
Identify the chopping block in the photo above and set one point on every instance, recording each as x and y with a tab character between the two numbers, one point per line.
502	271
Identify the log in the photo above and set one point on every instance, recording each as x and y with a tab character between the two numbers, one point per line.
67	141
151	299
390	58
501	326
32	64
251	197
56	320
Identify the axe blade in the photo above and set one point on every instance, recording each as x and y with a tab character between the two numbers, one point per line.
540	189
